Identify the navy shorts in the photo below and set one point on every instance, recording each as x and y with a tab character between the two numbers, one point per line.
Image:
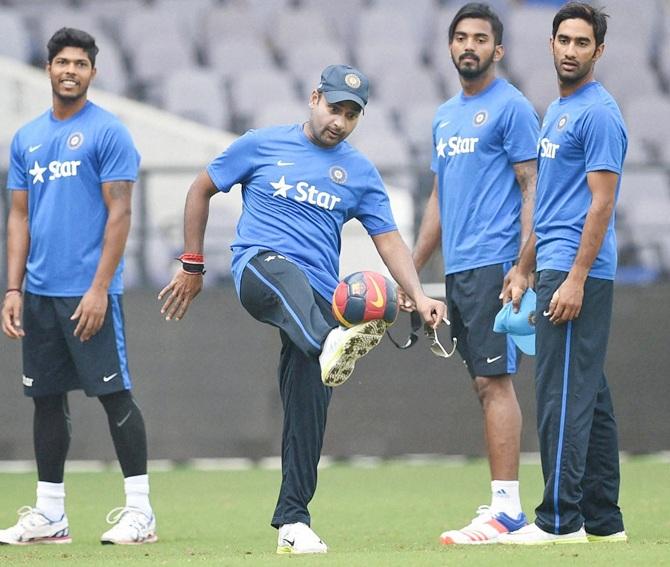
55	361
472	301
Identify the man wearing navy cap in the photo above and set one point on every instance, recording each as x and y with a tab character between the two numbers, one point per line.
300	184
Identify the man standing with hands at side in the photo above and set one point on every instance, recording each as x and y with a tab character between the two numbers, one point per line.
581	153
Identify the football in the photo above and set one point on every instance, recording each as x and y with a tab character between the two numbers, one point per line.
365	296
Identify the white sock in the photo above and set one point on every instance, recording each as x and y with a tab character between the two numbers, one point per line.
51	499
505	497
137	493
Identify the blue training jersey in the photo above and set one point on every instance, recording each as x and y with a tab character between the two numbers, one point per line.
476	141
581	133
62	164
296	198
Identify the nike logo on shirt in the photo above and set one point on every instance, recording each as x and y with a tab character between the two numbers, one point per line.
443	124
32	149
281	163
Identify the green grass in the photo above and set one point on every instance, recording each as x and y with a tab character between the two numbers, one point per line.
387	515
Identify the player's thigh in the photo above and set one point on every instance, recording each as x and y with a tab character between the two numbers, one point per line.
575	351
276	291
48	368
474	296
101	361
458	329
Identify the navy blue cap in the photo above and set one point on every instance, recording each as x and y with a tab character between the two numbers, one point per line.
342	82
519	326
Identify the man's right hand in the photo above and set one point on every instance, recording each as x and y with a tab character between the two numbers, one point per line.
514	286
182	290
11	315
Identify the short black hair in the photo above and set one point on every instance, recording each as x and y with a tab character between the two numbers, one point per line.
478	11
71	37
582	11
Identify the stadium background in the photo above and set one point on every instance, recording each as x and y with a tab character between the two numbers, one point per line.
187	76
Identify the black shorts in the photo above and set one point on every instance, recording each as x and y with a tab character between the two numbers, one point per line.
472	301
55	361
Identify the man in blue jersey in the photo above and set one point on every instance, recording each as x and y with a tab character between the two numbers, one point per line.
481	208
581	152
300	184
71	174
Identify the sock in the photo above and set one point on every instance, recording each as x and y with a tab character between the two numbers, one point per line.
51	499
505	497
137	493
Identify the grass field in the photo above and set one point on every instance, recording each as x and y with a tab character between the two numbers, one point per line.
388	515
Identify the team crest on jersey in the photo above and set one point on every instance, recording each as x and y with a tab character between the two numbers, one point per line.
353	81
480	118
338	174
562	121
75	140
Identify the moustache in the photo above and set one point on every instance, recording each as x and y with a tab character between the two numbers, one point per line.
468	56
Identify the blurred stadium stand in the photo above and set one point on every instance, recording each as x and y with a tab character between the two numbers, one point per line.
234	64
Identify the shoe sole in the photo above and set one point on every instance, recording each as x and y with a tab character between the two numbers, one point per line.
41	541
150	539
288	550
546	542
342	362
614	538
449	541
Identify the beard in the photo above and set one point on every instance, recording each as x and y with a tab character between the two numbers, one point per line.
474	71
69	97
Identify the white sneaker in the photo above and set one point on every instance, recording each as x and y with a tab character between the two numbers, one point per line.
532	535
343	347
299	538
132	527
617	537
34	527
486	528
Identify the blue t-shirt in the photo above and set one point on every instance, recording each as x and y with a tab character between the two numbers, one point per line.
476	141
62	164
581	133
296	198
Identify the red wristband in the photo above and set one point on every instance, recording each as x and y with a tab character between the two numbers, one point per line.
192	264
192	258
15	290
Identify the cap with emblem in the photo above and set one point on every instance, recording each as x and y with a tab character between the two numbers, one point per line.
342	82
520	326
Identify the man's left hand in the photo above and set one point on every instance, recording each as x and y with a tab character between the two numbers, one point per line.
566	303
432	311
90	313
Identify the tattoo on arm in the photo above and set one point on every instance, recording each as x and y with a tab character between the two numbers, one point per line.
526	175
119	189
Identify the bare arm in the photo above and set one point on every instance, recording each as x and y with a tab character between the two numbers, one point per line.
429	232
18	243
521	276
398	259
184	287
526	176
91	310
566	302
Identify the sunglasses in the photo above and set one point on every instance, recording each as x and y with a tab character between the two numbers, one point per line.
436	346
